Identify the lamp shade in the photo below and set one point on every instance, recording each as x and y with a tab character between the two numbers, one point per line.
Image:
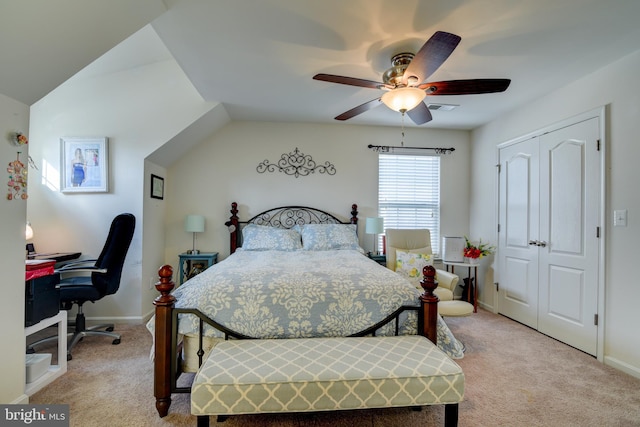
374	225
404	98
194	223
28	232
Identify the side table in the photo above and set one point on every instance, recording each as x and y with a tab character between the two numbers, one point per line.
380	259
189	261
475	279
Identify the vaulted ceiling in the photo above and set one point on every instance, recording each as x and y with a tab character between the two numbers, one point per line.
257	58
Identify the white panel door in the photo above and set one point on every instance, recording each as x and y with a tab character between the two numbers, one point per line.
548	245
518	260
569	220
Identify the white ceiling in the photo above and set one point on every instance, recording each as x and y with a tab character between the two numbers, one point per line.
258	57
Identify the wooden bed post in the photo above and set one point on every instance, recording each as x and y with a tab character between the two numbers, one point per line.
162	347
233	225
428	316
354	214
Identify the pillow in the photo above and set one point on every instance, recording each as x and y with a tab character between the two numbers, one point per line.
325	237
409	264
263	238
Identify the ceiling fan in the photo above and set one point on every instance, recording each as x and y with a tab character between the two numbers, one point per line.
405	82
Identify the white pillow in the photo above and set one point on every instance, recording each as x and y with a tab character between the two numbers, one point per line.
264	238
325	237
409	264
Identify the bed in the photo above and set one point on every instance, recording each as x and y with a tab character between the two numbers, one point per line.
293	272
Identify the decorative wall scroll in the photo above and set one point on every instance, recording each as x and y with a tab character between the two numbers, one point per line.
17	184
297	164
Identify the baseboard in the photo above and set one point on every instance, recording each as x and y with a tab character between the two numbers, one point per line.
486	307
127	320
634	371
20	400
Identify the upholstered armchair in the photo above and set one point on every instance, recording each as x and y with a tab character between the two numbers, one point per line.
418	241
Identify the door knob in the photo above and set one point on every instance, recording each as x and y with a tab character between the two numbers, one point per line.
543	243
533	242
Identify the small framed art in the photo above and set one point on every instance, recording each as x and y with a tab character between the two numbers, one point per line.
84	165
157	187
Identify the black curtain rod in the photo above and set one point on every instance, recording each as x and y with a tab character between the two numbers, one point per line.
387	149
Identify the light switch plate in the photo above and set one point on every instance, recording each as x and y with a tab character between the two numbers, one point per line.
620	218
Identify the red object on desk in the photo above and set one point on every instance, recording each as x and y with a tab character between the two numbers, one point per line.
38	268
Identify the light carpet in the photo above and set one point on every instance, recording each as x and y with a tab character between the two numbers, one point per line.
515	376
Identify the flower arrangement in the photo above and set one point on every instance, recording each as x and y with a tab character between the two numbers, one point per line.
18	138
477	251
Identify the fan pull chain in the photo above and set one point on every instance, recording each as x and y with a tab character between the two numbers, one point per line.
402	141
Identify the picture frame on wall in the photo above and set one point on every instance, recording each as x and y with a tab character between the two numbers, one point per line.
157	187
84	165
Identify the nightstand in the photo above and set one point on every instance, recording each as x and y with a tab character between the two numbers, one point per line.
380	259
193	264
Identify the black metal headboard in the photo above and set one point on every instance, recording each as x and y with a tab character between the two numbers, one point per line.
283	217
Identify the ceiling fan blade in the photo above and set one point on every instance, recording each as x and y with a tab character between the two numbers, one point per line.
430	57
466	87
359	109
351	81
420	114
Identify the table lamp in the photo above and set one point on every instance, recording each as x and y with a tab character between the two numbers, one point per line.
374	226
28	234
194	224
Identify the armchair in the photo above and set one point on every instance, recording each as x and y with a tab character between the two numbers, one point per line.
101	278
419	241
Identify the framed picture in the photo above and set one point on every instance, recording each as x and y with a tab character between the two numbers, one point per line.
157	187
84	165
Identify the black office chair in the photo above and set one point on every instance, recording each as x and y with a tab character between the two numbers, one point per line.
103	280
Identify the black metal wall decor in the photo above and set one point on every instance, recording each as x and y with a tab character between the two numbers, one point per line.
297	164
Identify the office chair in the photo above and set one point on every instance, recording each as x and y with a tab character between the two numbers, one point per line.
104	280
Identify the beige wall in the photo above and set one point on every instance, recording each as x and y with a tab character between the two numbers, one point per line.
618	88
222	170
139	110
14	116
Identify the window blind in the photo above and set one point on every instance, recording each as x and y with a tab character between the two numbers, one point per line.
409	193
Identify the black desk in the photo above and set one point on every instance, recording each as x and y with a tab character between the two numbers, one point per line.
56	256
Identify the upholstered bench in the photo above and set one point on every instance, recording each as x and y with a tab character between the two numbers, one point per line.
325	374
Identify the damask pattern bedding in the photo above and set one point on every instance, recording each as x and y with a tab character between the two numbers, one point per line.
301	293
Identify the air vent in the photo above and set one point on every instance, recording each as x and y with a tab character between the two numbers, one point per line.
441	107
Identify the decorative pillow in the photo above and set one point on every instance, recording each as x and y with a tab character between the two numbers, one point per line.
263	238
325	237
410	265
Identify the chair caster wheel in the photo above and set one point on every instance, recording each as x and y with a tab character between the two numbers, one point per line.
116	341
69	356
109	329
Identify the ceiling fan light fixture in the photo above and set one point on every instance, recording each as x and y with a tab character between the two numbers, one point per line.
403	99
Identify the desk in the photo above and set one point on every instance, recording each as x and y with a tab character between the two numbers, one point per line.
475	279
56	256
54	371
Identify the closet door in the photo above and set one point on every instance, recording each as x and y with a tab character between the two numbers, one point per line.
518	210
548	245
569	221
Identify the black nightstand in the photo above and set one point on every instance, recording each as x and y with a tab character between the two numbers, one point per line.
380	259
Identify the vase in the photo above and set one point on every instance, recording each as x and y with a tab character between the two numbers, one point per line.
472	261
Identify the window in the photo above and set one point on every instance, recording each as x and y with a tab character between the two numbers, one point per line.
409	193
